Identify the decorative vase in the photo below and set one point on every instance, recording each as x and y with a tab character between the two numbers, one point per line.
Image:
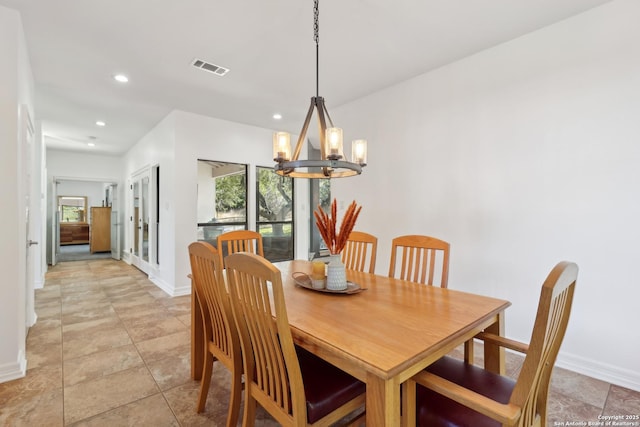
336	274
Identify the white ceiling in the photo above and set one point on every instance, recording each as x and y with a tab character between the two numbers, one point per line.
76	47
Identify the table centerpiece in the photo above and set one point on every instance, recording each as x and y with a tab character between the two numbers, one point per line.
336	240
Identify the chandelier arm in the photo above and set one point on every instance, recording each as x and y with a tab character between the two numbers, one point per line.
303	132
324	107
322	126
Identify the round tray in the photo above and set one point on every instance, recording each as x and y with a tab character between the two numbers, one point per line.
304	281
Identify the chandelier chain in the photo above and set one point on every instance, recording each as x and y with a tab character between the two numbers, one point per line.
316	38
316	25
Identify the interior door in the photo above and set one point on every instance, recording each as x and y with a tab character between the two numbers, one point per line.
112	200
140	220
145	219
27	146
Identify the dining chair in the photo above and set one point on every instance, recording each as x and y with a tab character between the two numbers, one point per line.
222	342
293	385
239	241
420	258
354	254
452	393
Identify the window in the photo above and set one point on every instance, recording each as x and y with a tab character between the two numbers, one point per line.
72	208
222	199
275	214
320	194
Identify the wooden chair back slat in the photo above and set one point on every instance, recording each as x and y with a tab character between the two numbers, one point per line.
420	257
360	250
239	241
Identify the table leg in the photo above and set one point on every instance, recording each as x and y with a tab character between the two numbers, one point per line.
197	333
408	404
469	353
383	402
494	355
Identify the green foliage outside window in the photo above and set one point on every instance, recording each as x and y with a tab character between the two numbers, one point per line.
274	196
231	193
72	214
324	186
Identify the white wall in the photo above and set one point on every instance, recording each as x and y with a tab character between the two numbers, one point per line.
155	148
69	164
522	156
206	185
16	89
176	144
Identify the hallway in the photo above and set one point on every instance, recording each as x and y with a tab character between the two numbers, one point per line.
79	253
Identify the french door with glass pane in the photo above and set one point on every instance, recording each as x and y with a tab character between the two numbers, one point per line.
141	218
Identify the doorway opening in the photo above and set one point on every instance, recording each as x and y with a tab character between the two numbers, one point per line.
84	220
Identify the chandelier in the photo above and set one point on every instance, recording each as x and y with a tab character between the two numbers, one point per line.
332	163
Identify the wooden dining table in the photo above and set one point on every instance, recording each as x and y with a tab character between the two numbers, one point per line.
382	335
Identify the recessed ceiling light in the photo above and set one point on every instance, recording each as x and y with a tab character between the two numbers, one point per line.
121	78
277	116
91	144
100	123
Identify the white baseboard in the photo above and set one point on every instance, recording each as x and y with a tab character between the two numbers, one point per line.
602	371
591	368
13	371
170	290
182	290
161	284
39	283
31	320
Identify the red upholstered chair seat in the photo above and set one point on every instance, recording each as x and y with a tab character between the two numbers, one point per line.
435	410
325	386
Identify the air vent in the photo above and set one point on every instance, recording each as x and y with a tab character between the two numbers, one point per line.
212	68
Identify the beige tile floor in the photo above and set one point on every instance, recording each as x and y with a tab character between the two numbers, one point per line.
111	349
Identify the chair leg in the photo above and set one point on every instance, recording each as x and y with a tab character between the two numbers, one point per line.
249	414
235	398
205	381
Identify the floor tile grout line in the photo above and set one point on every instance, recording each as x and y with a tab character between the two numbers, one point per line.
62	358
135	345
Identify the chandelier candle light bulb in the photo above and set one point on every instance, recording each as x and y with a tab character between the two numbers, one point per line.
334	143
359	151
281	146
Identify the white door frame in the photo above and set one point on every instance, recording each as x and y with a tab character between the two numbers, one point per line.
140	221
55	219
26	145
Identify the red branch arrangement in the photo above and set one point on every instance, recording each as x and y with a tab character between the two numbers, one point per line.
327	226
